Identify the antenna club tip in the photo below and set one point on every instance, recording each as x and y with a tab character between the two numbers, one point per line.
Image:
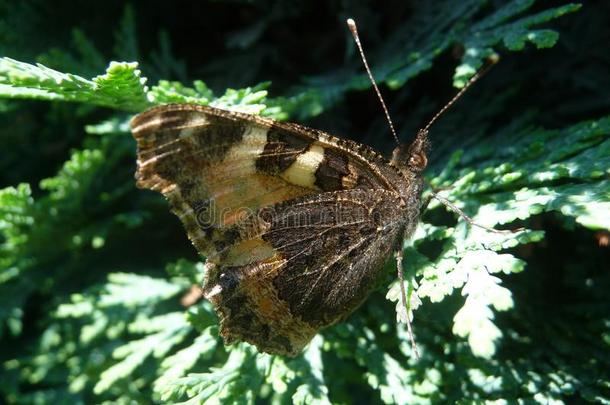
351	24
493	58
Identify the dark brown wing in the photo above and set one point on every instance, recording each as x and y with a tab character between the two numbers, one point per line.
216	167
296	267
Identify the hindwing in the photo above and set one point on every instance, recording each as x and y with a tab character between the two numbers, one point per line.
296	267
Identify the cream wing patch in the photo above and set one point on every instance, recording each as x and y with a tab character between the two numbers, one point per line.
187	129
248	150
303	171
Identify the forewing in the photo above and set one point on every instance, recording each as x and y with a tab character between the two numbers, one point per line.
217	167
296	267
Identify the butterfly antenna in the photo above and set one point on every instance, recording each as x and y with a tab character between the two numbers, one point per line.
352	27
492	60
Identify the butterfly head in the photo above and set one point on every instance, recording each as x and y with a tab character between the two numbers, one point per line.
413	156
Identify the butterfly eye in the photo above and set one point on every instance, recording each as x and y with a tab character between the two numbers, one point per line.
418	161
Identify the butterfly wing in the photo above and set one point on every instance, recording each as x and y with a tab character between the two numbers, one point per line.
216	167
296	267
295	223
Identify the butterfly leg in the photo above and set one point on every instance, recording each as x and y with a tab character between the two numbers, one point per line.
461	213
425	203
403	297
434	191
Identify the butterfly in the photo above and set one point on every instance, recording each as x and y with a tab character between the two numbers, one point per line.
295	223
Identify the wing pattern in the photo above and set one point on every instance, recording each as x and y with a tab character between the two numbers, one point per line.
295	223
216	167
299	266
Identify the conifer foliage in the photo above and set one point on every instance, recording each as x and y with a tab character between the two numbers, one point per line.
96	277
